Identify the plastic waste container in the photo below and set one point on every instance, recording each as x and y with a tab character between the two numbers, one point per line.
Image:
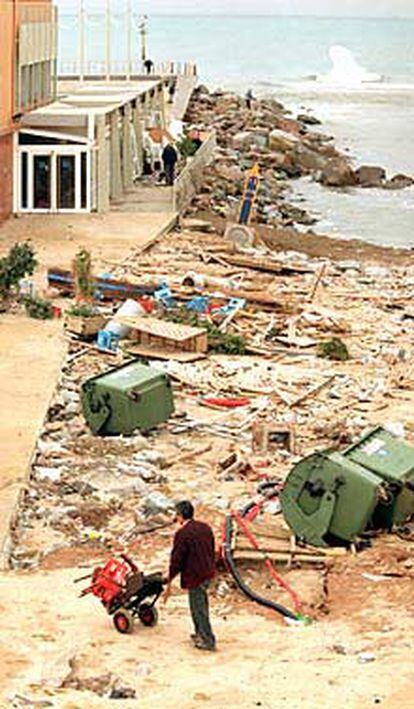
130	397
333	496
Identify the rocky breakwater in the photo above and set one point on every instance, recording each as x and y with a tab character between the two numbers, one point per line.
285	148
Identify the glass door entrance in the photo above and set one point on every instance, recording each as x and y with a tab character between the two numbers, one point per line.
66	179
54	179
42	176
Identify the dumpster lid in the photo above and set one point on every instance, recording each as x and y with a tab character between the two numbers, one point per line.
384	454
130	375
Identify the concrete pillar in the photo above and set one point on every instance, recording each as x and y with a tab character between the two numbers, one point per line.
162	102
127	157
115	165
101	187
139	137
147	109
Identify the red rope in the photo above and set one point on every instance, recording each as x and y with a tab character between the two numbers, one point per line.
272	571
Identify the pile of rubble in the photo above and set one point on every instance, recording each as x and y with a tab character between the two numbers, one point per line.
102	493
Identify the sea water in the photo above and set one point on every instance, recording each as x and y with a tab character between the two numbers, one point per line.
357	75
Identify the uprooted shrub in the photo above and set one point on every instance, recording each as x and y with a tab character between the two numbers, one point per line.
19	262
83	310
82	274
38	308
334	349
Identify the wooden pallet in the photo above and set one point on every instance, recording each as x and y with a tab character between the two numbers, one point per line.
152	332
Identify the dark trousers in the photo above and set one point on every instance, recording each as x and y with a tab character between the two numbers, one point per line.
169	170
199	608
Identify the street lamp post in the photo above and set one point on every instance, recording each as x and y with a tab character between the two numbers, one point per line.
144	32
108	38
82	38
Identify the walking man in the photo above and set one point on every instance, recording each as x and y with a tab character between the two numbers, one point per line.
169	159
193	557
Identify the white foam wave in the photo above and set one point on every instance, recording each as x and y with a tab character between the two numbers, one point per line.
345	69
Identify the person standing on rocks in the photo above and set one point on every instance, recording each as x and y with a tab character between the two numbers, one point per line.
193	557
169	159
249	99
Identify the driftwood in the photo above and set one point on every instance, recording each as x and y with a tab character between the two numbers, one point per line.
265	265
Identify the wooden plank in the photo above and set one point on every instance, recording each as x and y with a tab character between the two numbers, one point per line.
265	265
262	298
318	279
163	353
280	548
315	390
278	556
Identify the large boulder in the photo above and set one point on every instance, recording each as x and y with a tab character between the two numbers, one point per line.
309	159
370	176
281	141
229	172
288	125
243	140
337	173
308	120
399	182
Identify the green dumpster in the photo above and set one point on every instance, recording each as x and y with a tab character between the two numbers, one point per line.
130	397
336	496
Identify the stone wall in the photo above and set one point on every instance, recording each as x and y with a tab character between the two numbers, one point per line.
191	178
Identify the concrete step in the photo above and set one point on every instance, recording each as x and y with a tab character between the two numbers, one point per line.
144	207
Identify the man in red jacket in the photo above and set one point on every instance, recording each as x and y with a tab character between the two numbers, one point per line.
193	557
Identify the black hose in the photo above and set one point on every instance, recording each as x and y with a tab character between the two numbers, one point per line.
239	581
269	486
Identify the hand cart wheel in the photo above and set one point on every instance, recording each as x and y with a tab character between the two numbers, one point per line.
148	615
123	621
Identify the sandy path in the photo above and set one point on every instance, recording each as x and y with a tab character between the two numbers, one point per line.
261	662
109	237
31	354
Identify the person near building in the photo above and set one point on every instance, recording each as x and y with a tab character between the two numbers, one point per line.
193	557
171	91
169	159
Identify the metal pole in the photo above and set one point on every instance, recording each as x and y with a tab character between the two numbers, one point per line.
129	37
143	30
81	21
108	39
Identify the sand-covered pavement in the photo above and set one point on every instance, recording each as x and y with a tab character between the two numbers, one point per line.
357	661
31	356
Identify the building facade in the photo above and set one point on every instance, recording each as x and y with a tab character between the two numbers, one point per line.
28	68
85	150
